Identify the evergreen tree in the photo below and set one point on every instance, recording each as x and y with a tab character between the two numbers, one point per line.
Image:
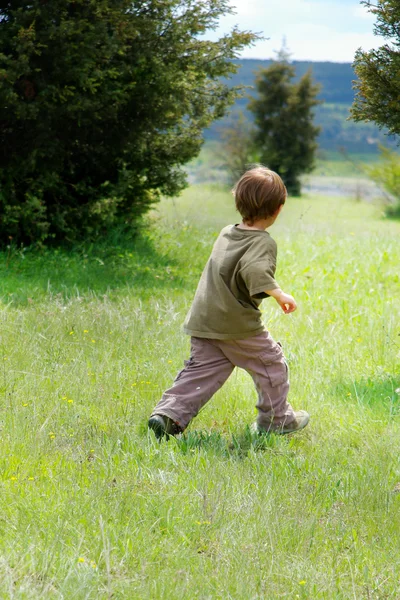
378	86
101	102
283	115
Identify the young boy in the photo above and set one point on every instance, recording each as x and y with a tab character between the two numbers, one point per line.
224	321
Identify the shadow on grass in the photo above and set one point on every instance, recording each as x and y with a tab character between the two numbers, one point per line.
383	393
119	261
238	447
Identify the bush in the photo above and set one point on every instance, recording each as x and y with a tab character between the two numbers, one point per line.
101	102
386	174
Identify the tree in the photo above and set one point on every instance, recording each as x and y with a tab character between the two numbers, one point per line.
101	103
238	147
283	114
378	86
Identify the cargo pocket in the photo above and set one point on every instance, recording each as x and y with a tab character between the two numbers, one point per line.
275	365
187	364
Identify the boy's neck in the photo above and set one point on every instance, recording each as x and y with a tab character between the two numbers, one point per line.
260	225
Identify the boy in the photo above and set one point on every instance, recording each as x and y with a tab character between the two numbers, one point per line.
224	321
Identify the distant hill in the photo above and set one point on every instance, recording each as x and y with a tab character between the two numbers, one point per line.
336	80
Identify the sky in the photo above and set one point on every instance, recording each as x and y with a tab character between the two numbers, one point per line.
317	30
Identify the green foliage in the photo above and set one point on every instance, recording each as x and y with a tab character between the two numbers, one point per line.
378	87
101	102
237	147
283	113
386	174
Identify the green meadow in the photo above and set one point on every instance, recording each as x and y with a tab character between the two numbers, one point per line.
92	507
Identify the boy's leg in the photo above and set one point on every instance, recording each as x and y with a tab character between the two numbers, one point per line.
263	358
204	373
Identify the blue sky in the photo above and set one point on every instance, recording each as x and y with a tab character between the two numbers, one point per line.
315	30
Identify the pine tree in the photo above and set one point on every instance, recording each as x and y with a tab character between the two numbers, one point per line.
101	103
378	86
283	115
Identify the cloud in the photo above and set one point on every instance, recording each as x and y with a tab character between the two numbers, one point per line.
314	29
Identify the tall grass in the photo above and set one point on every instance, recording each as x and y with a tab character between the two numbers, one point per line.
91	506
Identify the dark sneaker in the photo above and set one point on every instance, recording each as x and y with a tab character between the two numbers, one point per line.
301	420
162	425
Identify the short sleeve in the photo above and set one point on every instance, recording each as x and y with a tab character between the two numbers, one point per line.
259	274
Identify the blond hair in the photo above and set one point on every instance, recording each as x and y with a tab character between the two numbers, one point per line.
258	194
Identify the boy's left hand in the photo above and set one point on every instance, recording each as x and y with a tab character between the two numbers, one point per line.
287	303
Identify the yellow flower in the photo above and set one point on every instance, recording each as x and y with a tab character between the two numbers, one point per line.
170	361
71	332
86	331
13	478
25	404
302	582
70	401
81	559
31	479
93	341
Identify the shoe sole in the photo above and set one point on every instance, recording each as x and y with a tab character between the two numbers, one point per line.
282	431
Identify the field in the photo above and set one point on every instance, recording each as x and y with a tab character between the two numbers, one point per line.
92	507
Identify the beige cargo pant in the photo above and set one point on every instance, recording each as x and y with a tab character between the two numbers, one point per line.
210	364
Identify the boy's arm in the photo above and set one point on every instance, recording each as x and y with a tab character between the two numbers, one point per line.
285	301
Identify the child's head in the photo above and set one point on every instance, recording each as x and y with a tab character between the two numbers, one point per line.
258	194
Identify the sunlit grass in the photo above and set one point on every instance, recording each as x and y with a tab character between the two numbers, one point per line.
92	507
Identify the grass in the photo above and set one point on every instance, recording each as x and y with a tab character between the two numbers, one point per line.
92	507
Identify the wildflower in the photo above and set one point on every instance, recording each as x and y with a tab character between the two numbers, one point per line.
170	361
81	559
70	401
13	478
31	479
71	332
302	582
25	404
85	331
397	391
93	341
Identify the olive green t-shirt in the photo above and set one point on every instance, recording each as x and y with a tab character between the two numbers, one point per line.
226	304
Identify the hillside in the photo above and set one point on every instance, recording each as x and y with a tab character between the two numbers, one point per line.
336	81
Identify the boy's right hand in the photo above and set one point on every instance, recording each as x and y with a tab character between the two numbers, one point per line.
285	301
